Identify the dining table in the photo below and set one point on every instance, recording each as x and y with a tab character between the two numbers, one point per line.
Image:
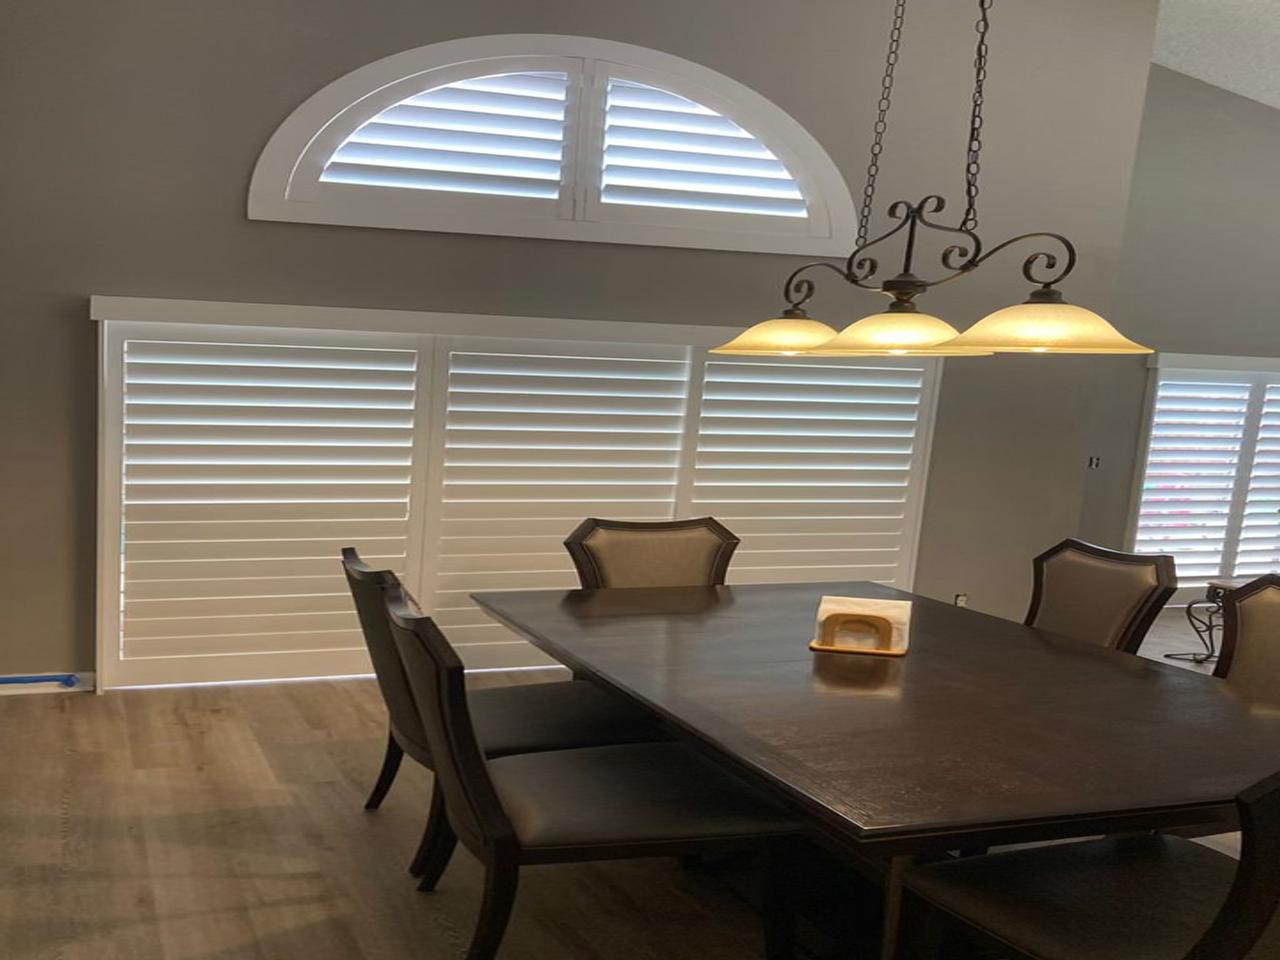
986	732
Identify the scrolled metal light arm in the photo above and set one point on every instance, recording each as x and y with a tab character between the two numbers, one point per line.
1044	268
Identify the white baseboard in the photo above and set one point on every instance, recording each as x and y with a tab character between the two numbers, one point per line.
84	684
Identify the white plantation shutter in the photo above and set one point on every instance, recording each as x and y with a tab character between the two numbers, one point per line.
237	462
1193	461
537	437
1259	548
499	135
559	137
246	467
665	150
817	467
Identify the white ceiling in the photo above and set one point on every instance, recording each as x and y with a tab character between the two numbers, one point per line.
1233	44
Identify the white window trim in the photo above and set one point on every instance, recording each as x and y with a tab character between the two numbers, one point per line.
122	318
285	181
1250	370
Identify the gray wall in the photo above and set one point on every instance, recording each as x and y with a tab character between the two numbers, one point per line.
132	126
1200	258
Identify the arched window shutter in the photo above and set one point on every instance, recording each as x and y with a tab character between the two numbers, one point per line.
560	137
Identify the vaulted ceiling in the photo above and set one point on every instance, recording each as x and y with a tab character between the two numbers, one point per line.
1233	44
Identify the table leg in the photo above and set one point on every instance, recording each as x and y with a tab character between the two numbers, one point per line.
892	906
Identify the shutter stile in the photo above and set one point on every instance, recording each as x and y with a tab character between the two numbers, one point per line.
1259	548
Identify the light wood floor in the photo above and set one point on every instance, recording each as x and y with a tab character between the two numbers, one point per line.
224	823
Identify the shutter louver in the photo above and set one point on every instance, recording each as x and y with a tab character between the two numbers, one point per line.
500	135
811	465
1197	432
664	150
1259	550
533	444
246	469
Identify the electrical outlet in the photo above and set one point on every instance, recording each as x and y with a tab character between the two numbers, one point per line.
1095	463
962	600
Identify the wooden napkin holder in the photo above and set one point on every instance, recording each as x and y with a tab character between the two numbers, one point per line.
869	627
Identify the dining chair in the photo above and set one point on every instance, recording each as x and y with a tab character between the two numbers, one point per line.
1250	655
1101	596
664	553
598	803
508	720
1133	898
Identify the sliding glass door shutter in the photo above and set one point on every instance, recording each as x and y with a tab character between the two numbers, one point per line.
238	460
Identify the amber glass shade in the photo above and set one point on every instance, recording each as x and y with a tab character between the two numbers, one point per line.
895	333
1046	324
789	335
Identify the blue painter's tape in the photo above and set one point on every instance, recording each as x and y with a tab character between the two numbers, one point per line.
63	679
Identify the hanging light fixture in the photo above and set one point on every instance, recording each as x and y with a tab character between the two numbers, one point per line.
1043	323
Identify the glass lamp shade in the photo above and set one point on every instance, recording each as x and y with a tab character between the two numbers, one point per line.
896	333
1046	324
789	335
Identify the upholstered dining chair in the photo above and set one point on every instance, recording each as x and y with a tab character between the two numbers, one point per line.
665	553
1133	898
508	720
1098	595
600	803
1250	657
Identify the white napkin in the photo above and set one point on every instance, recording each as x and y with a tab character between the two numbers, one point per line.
896	612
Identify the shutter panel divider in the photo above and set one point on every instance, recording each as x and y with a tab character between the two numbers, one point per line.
689	441
1244	476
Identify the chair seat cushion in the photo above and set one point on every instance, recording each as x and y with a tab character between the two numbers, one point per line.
554	716
1142	898
633	794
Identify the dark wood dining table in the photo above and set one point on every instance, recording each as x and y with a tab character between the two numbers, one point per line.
986	732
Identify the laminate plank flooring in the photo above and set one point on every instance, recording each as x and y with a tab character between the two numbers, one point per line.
226	823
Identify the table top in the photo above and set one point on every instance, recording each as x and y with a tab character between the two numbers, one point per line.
985	729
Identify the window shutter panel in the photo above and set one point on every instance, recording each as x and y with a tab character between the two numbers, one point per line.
539	436
247	467
1259	550
1198	429
812	466
664	150
501	135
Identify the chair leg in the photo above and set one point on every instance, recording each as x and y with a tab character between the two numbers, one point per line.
777	906
499	895
387	775
438	841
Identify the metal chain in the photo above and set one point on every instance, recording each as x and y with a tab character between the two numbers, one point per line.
973	164
882	113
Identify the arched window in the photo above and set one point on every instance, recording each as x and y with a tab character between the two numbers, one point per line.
563	137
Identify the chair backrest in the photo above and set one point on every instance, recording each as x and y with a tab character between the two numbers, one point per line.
367	585
1098	595
1250	907
438	681
1250	657
667	553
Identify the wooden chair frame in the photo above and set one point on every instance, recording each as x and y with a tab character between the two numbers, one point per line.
476	816
1231	619
1246	913
1140	622
592	577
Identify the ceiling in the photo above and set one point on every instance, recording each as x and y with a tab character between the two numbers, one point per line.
1233	44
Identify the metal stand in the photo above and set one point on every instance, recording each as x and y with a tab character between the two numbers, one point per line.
1205	618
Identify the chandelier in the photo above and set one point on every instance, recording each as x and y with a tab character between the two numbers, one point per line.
1043	323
